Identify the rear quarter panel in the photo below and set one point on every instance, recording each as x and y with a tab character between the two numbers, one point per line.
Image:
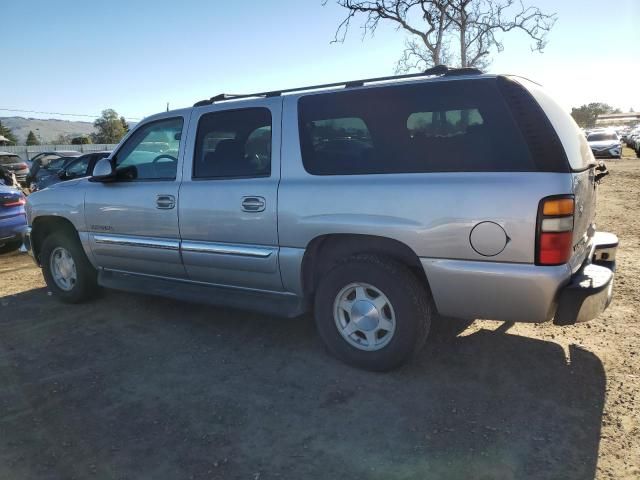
432	213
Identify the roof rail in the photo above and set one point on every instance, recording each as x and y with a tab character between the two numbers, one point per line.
438	70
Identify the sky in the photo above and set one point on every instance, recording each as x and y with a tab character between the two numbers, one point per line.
80	57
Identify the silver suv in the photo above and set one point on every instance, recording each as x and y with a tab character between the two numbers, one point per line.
375	204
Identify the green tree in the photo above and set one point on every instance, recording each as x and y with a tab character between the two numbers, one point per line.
62	140
32	139
81	140
8	134
109	127
125	125
586	115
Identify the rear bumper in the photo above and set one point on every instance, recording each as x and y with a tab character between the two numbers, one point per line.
524	292
12	228
590	290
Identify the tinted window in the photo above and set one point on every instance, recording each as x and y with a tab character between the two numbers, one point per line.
9	159
235	143
56	164
151	153
78	167
45	159
428	127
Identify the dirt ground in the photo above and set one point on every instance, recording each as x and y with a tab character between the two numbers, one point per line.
135	387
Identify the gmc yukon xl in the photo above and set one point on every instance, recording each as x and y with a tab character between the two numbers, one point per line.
375	204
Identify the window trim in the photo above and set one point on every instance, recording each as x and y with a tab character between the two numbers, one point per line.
235	177
114	155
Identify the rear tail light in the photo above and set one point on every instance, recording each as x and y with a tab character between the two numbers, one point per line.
555	230
12	202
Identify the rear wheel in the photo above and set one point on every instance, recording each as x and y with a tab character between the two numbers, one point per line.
66	268
372	312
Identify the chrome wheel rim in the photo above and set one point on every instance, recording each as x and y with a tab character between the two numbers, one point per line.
364	316
63	269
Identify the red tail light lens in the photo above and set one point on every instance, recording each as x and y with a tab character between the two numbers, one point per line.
555	230
555	248
13	202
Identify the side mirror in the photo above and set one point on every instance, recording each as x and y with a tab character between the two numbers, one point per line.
102	171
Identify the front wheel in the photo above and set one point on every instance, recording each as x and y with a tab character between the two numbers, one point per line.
66	269
372	312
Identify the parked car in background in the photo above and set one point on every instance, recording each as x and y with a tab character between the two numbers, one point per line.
48	163
630	138
373	204
13	220
12	163
605	143
74	167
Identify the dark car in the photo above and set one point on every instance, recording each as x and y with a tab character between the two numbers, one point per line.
74	167
48	163
12	163
13	220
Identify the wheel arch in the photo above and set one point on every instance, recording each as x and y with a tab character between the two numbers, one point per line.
44	226
324	251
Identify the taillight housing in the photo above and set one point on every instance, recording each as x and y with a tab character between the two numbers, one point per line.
12	201
554	235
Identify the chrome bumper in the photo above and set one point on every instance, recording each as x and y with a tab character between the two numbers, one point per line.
590	290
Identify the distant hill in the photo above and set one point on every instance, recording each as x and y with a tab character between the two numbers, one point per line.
47	130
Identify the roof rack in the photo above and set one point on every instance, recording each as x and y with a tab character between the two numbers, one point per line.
438	70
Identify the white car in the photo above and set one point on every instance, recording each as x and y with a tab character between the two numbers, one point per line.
605	143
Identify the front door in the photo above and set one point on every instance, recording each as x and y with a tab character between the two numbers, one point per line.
228	197
133	221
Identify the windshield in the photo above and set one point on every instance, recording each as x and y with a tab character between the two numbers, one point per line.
56	163
9	159
599	137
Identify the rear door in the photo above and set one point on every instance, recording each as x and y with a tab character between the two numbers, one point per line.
228	197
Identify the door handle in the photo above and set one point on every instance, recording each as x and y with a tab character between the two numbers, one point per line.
165	202
253	204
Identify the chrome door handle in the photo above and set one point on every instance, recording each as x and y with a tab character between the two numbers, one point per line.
253	204
165	202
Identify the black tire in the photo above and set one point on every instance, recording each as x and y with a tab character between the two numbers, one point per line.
638	153
411	304
86	285
10	246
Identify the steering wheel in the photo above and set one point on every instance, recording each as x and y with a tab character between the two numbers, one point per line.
164	155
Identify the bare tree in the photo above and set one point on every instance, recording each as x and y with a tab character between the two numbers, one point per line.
427	35
462	32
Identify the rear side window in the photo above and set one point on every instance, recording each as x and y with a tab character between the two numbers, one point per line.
9	159
233	144
454	126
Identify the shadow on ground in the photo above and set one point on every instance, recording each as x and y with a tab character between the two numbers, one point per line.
136	387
